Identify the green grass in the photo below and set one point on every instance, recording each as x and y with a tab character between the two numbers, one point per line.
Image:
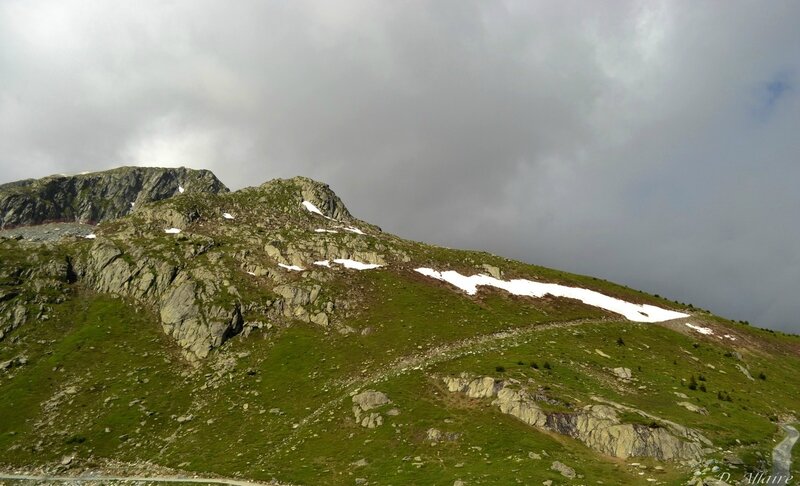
250	400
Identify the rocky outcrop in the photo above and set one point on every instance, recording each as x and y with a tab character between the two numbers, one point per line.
196	326
598	426
323	197
97	196
185	278
187	300
363	405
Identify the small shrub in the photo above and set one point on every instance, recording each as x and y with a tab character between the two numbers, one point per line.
500	369
620	341
76	439
761	375
701	377
692	383
703	387
548	367
520	363
534	365
724	396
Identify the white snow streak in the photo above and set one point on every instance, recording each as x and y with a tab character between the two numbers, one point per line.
353	229
632	312
173	231
702	330
227	215
321	230
90	236
181	189
347	263
312	209
354	265
290	267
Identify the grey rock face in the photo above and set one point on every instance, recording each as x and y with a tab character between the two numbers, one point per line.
323	197
97	196
597	426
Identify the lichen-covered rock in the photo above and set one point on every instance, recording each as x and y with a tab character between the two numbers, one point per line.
598	426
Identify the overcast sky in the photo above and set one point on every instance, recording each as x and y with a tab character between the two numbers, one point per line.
653	144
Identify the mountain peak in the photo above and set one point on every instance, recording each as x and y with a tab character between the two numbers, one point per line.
318	193
97	196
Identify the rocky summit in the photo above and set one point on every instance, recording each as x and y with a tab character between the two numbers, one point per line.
98	196
154	324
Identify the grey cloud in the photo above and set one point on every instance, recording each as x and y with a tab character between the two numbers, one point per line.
645	143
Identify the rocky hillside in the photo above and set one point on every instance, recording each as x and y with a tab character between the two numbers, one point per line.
268	334
98	196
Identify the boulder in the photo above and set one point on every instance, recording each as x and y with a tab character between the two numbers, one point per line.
693	408
364	402
563	469
623	373
369	399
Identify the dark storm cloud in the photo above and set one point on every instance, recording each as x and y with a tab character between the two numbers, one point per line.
653	144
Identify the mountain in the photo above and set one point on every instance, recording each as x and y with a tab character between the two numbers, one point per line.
269	336
96	197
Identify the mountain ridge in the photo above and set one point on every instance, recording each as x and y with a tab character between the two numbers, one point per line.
315	341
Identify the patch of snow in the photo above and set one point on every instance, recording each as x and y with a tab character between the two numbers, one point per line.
133	204
702	330
90	236
354	265
353	229
728	336
227	215
323	263
181	189
311	208
631	311
321	230
290	267
173	231
251	273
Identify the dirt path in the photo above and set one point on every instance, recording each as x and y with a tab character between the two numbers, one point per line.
144	479
439	354
782	456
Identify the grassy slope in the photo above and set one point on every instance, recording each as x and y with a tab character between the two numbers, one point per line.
253	419
106	350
